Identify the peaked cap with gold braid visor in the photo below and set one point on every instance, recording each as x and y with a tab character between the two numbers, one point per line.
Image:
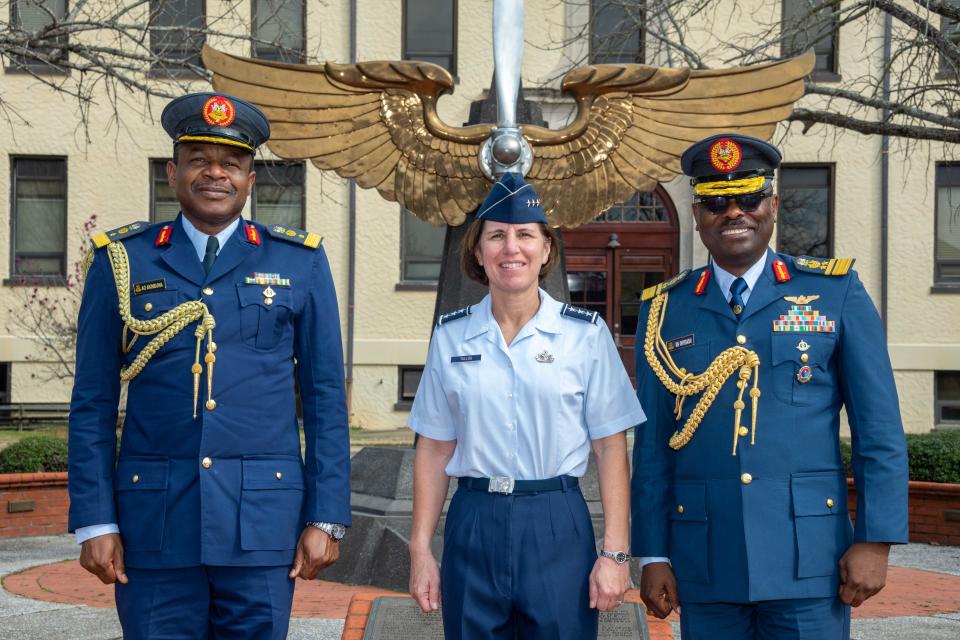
721	165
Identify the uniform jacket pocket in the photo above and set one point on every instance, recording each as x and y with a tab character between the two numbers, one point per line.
822	524
140	487
270	503
689	532
789	352
263	323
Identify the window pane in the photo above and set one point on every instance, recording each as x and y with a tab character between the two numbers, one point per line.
429	31
33	15
40	212
804	218
409	382
278	194
616	32
947	250
280	24
164	206
807	24
642	207
949	28
422	248
177	45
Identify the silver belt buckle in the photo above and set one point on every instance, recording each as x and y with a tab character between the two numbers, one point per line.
501	484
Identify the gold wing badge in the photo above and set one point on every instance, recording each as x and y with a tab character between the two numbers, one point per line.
377	122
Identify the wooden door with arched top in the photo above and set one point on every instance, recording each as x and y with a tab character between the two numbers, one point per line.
611	260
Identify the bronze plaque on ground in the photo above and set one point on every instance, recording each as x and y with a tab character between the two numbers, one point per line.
394	618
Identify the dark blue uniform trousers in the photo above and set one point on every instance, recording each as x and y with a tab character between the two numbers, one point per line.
797	619
517	566
197	603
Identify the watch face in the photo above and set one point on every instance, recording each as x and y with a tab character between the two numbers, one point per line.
621	557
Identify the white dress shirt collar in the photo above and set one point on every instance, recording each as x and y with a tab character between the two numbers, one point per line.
725	278
199	238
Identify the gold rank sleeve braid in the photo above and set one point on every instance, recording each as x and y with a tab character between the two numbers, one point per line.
710	381
163	327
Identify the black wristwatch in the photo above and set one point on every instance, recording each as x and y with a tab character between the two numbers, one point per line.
332	529
617	556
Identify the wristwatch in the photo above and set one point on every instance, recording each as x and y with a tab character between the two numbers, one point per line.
332	529
617	556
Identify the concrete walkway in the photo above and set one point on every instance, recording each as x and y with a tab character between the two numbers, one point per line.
47	596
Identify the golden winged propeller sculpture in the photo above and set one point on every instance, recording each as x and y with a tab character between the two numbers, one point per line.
377	122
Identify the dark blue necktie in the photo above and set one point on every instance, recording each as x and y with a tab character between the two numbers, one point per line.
211	254
737	287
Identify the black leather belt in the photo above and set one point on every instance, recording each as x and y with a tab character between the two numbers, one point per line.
507	486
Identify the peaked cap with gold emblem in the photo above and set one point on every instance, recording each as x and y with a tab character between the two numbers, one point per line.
216	119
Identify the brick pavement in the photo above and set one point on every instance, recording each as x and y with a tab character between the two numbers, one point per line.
909	592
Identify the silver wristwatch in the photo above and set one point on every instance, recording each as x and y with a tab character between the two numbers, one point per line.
332	529
617	556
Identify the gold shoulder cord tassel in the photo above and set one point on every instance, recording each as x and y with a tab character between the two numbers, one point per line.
710	382
163	327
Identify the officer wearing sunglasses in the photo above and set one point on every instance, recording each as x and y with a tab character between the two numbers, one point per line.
739	495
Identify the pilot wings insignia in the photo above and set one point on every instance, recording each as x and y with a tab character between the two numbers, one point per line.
377	122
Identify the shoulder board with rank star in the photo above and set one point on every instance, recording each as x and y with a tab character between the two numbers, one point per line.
652	292
824	266
296	236
780	270
453	315
580	314
101	240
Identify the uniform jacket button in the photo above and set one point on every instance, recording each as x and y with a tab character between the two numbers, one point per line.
679	508
207	463
741	339
830	503
746	478
207	291
135	479
148	306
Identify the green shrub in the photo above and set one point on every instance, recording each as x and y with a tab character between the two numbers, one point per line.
35	454
934	457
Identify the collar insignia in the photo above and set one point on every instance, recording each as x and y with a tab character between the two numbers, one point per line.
545	357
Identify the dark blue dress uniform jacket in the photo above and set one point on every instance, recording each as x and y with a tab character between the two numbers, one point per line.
249	507
777	537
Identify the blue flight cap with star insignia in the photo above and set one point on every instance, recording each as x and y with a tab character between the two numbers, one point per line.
215	118
730	164
513	201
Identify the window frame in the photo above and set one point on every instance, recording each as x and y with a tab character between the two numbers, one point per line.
153	186
404	51
831	197
943	71
641	35
403	284
159	70
6	377
301	53
939	404
823	75
403	403
303	189
17	279
15	65
941	286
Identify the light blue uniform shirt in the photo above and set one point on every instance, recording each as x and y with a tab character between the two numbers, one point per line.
725	278
528	410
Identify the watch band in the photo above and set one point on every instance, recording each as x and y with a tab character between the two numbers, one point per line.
334	530
617	556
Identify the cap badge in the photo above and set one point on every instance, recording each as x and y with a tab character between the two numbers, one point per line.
725	155
219	111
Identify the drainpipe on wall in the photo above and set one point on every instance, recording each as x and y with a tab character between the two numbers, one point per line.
352	242
885	172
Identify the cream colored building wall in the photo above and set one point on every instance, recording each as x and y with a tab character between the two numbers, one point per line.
110	176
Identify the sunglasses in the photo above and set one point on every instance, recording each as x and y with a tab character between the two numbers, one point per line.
747	202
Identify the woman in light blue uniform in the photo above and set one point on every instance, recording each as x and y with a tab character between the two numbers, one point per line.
516	392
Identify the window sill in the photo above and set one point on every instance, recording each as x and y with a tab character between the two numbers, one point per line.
36	70
945	288
947	426
945	76
35	281
415	286
161	73
825	76
403	405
